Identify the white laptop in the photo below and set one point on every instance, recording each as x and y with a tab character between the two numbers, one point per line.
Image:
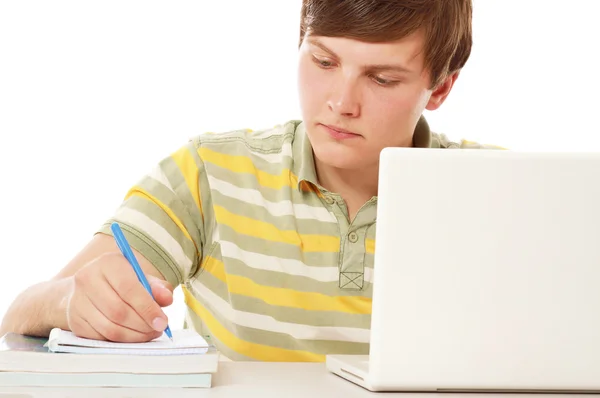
487	273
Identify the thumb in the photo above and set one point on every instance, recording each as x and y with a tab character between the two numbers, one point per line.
161	290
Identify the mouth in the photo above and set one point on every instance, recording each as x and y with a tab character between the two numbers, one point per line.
338	133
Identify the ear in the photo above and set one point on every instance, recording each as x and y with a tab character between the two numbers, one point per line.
438	96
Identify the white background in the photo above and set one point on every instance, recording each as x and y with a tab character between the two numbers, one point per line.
94	93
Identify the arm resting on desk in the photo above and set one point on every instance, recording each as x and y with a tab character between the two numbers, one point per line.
38	309
43	306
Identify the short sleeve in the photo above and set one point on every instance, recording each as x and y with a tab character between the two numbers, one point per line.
161	216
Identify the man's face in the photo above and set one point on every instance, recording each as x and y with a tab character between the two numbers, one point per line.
358	98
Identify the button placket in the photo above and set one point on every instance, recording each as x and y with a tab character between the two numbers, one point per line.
352	250
352	267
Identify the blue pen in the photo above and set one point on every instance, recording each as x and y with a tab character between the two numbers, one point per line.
126	250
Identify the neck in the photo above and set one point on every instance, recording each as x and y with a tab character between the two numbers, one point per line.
356	187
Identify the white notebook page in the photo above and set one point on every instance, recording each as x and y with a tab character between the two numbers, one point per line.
185	341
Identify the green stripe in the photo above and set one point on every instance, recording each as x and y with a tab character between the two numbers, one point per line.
155	213
283	280
282	223
154	253
278	249
291	314
246	181
240	148
271	279
265	140
174	203
302	316
281	340
371	230
369	261
215	285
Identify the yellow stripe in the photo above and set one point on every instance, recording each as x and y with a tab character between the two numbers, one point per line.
287	297
243	164
142	193
252	350
184	160
264	230
215	267
370	246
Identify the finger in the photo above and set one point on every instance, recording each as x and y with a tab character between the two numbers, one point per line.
109	303
162	294
125	283
110	330
162	291
80	327
154	280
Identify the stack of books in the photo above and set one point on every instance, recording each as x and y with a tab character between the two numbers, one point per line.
65	360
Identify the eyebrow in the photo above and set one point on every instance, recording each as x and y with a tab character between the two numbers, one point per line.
323	47
372	68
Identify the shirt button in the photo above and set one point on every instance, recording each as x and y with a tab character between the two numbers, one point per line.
353	237
329	200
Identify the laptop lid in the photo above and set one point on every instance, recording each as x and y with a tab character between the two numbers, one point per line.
487	271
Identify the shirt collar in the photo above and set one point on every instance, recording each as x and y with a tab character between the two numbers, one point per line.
304	162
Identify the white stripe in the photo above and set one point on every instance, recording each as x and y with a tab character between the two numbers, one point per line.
286	266
276	158
267	323
281	208
158	175
215	232
158	234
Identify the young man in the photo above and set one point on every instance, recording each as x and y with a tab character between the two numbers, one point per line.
272	233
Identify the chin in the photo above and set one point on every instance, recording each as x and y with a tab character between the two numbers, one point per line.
341	157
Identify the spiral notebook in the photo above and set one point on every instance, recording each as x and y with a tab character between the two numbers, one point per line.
185	341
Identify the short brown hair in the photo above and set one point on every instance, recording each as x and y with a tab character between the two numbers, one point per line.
447	24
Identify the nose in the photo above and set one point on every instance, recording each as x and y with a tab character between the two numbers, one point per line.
344	99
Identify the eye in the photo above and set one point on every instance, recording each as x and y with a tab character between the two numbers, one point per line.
323	62
383	82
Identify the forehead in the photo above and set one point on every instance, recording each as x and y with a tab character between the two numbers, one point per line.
408	50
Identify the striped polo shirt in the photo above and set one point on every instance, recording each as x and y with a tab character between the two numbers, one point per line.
271	267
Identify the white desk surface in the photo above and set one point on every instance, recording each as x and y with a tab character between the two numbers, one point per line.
249	380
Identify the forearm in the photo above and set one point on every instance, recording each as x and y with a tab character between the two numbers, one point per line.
38	309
